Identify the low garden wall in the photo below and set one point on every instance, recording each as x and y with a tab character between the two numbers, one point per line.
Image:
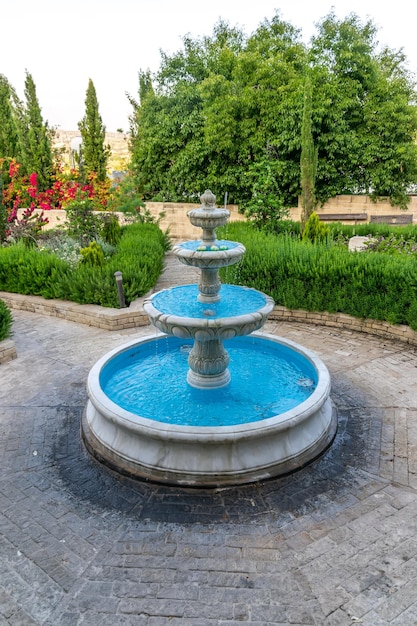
347	209
172	216
134	316
7	351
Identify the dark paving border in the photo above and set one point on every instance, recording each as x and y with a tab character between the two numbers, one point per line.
349	465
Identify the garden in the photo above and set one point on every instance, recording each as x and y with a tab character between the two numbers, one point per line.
313	272
307	129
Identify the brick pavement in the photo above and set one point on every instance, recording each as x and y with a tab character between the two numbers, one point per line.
331	545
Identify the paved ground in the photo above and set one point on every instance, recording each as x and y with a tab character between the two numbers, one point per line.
331	545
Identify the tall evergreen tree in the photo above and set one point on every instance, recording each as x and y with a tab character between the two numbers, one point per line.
10	146
37	144
95	154
308	161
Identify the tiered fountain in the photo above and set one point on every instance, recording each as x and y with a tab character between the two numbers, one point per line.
210	402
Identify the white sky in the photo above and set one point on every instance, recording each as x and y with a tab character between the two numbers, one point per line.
63	44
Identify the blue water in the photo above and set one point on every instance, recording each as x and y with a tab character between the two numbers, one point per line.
149	380
220	243
234	300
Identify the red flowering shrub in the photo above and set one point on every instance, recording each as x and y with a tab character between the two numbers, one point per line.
23	192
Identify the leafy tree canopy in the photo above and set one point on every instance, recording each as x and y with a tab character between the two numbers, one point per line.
226	113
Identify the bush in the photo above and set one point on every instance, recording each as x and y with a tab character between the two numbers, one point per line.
372	230
6	321
111	231
139	256
82	224
92	255
61	244
30	271
324	277
315	230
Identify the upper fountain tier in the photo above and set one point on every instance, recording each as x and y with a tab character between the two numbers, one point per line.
209	318
208	253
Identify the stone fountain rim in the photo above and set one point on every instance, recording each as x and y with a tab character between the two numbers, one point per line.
209	255
217	323
208	434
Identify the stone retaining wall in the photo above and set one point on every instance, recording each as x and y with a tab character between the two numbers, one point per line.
7	351
399	332
89	314
134	316
172	216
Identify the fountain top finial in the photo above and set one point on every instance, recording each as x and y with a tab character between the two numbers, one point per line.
208	200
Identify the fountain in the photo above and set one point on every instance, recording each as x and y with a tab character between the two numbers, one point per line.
211	401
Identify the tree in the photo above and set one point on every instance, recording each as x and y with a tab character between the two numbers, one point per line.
364	113
215	112
308	162
94	154
36	144
234	113
3	213
10	146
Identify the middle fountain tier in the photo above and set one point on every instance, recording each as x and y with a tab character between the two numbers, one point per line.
209	312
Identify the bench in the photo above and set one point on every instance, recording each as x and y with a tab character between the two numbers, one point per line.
392	220
343	217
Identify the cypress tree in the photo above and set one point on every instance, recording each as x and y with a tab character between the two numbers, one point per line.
3	213
37	145
308	161
10	147
94	153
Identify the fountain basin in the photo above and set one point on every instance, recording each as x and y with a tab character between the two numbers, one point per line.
217	254
209	456
239	311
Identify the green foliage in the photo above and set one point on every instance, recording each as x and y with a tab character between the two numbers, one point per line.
111	230
10	145
139	256
226	113
28	271
94	153
82	224
314	230
126	198
321	277
6	321
372	230
364	113
61	244
92	255
308	161
3	213
36	138
265	207
393	244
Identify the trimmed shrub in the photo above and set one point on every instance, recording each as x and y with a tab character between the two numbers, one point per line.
139	256
6	321
92	255
324	277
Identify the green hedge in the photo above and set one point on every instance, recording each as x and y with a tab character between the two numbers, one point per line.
301	275
5	321
373	229
139	256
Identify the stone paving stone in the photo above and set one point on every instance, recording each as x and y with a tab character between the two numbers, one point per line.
81	545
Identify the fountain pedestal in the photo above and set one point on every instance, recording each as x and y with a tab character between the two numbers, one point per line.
208	361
